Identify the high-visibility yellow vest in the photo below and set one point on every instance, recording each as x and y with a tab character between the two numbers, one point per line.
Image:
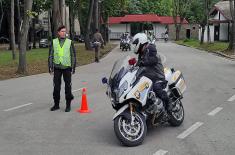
62	54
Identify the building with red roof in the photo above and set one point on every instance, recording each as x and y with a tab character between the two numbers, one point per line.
139	22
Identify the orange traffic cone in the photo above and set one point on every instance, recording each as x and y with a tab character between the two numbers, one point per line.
84	106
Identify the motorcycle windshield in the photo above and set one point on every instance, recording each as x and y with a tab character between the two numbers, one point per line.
120	68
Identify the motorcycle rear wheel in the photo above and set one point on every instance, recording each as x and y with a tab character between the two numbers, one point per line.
177	114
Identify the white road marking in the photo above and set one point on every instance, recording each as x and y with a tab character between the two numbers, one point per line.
231	98
215	111
160	152
190	130
14	108
77	90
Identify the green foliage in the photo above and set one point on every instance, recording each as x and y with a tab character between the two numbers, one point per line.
41	5
31	14
160	7
122	7
197	11
186	40
211	47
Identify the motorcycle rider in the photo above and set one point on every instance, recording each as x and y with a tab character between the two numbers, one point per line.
154	69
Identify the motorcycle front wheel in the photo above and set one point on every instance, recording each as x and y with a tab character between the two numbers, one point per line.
130	134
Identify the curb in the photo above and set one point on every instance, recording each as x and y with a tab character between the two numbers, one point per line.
215	52
224	55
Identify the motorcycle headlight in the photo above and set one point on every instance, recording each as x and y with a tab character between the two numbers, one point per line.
123	88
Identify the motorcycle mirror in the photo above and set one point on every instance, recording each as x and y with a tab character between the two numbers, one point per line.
104	80
132	61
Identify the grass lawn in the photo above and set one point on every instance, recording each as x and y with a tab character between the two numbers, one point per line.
37	60
212	47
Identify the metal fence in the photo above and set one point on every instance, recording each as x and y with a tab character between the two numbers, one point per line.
115	35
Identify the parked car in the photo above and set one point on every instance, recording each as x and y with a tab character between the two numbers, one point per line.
4	40
43	43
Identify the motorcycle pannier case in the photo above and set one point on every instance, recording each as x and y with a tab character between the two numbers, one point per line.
178	81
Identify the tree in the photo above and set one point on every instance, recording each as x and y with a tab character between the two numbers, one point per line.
180	8
19	21
39	6
74	7
96	13
88	29
207	8
12	27
232	27
2	14
197	14
23	37
56	16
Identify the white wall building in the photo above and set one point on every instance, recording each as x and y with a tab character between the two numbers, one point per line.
133	24
220	22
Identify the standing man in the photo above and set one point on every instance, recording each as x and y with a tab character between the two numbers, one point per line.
62	61
98	41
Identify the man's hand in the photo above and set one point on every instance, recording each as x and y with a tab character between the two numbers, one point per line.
73	71
140	63
51	71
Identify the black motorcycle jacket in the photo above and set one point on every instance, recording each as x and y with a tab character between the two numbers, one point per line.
149	59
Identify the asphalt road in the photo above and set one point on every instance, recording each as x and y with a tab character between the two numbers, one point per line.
27	127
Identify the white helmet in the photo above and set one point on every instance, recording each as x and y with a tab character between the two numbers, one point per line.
138	40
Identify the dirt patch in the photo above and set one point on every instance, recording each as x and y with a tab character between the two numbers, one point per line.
229	52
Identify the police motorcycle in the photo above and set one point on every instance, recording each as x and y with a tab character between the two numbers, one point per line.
166	37
125	42
137	105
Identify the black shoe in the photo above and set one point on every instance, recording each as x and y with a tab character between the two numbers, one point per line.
68	106
67	109
55	108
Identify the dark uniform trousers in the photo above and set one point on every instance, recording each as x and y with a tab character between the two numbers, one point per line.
158	88
57	85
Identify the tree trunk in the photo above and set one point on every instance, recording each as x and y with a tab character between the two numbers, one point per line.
231	27
234	27
207	19
49	26
88	29
12	30
56	17
177	32
23	38
19	22
202	34
8	14
208	34
2	15
34	33
62	11
96	13
71	22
